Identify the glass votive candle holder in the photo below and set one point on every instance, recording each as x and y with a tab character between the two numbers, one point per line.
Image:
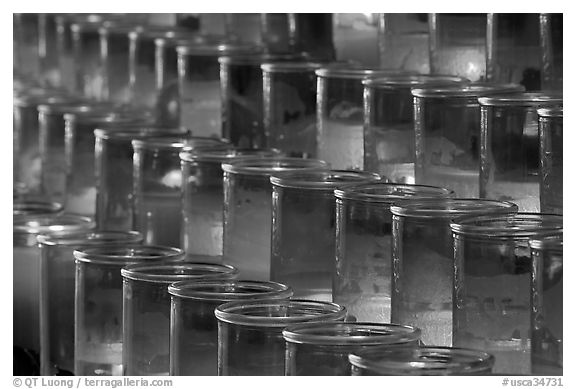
289	111
423	261
98	303
157	186
248	211
114	169
242	96
509	143
551	38
340	114
550	134
146	328
26	270
492	285
193	325
447	128
200	100
203	195
250	340
35	207
547	309
57	288
303	229
363	275
389	140
421	361
321	349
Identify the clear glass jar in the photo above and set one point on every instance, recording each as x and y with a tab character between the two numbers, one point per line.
340	114
389	142
241	78
547	309
363	275
48	50
65	50
403	42
26	270
157	186
194	328
447	128
513	51
509	144
423	261
248	211
80	153
88	66
492	285
203	195
57	288
35	207
289	116
250	341
146	328
303	228
458	44
98	303
114	169
321	349
550	124
200	101
421	361
551	42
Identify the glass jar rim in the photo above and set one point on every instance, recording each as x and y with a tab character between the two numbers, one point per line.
551	112
326	180
225	290
450	208
215	49
71	105
92	238
111	116
355	333
127	254
554	242
528	99
36	207
221	155
519	225
388	192
31	100
158	31
425	360
119	27
170	272
290	67
259	58
414	81
354	72
138	131
245	312
474	90
176	142
270	166
49	224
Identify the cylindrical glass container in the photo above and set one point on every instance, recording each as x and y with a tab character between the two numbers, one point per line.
423	261
290	107
447	128
35	207
157	186
80	149
48	50
321	349
277	32
200	103
193	326
513	51
65	50
458	44
303	229
146	328
114	169
509	144
203	195
340	114
242	96
57	288
98	303
250	338
551	42
547	296
550	134
248	211
389	142
363	276
421	361
88	66
26	270
491	297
